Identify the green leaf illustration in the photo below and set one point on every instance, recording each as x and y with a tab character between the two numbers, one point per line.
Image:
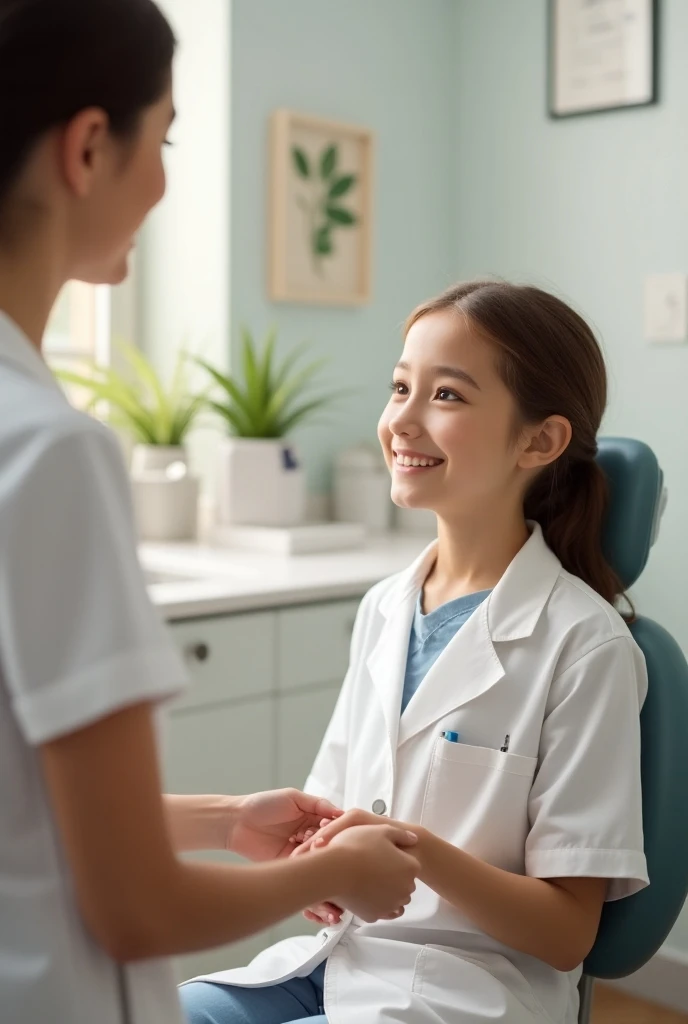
328	162
322	241
342	185
301	162
340	216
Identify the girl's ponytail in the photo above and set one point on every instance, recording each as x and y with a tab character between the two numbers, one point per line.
569	501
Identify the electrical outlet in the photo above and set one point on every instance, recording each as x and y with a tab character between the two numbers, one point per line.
666	307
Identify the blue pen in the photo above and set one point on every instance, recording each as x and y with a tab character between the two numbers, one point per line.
451	737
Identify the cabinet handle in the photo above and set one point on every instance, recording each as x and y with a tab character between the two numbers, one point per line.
198	652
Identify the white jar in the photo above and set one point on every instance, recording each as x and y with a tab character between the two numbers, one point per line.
362	488
164	493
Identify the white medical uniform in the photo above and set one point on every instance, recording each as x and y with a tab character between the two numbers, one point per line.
545	660
79	640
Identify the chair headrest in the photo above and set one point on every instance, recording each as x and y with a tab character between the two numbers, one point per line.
637	499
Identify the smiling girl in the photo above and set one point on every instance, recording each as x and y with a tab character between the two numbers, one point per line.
493	698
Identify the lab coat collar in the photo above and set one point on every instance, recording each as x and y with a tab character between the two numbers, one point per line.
16	349
515	604
511	612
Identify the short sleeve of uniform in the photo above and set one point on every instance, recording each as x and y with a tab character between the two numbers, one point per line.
79	637
585	804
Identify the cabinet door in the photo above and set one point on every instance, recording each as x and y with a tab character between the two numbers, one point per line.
302	720
228	658
225	749
313	644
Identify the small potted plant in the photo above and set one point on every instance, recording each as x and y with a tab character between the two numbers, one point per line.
158	419
260	480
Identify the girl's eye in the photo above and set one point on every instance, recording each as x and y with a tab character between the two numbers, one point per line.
167	142
447	395
398	388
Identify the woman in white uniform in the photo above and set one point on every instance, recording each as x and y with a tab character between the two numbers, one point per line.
89	877
493	696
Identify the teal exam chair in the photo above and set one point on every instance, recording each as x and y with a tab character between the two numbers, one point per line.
632	929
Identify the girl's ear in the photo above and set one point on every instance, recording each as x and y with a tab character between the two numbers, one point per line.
543	444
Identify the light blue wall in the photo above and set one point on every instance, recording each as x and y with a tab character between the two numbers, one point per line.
588	206
388	65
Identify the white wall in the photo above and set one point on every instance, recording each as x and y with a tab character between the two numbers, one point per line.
587	206
387	65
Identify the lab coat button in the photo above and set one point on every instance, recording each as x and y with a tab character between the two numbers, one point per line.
379	807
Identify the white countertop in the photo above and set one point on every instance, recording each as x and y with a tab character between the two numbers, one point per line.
218	581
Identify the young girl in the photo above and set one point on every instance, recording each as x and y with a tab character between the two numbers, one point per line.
493	696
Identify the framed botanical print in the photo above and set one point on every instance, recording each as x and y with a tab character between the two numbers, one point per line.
320	216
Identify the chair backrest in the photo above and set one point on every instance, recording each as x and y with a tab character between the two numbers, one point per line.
633	929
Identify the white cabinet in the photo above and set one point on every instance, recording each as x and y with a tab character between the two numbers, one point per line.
228	658
227	750
313	644
302	720
263	688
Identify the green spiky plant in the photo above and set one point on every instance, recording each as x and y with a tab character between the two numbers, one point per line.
268	399
140	404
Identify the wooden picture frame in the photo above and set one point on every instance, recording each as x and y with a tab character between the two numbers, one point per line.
320	211
602	56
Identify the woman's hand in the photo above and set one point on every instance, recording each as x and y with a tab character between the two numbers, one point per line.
268	826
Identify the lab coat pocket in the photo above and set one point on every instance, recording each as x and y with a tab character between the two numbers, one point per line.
477	798
471	991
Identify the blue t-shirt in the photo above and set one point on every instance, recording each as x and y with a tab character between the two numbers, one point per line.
431	633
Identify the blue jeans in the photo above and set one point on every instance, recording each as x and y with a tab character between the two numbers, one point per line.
292	1002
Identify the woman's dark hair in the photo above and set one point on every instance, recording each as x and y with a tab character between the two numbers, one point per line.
58	57
550	361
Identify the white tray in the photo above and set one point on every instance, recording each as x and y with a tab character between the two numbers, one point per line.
308	539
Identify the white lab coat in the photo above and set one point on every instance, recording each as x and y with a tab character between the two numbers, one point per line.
545	660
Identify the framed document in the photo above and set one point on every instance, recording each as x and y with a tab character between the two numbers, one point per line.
603	55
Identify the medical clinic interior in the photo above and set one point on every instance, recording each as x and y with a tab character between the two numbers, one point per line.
396	378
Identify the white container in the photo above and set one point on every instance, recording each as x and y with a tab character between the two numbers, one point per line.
362	488
153	458
260	482
165	495
166	510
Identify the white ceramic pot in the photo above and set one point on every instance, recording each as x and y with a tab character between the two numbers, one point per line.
154	458
165	495
260	482
362	488
166	510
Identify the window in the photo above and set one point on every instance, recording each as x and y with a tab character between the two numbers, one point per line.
80	326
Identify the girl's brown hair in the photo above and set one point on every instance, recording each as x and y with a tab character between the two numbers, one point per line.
550	361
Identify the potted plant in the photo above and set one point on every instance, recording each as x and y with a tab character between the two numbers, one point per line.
158	419
260	480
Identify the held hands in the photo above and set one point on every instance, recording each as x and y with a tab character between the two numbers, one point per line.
386	870
268	826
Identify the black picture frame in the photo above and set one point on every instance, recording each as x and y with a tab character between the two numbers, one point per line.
552	45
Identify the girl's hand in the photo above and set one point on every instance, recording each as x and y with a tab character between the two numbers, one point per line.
329	828
324	914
